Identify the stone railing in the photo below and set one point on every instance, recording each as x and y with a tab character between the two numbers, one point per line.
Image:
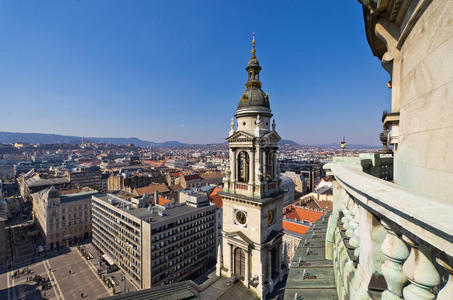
385	241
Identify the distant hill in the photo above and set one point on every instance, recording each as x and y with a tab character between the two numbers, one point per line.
38	138
288	142
44	138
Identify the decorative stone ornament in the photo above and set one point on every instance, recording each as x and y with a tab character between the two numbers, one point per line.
232	130
396	252
446	293
383	136
228	171
421	273
258	125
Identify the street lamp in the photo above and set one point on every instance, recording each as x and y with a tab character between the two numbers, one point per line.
343	144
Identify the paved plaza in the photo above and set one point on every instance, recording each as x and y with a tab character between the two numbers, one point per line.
69	276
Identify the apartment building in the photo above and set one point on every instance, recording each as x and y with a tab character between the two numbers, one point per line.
91	177
153	244
33	182
62	218
127	182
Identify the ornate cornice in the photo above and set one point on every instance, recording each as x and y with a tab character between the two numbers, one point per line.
397	16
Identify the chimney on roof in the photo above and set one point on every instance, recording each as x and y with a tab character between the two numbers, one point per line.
156	197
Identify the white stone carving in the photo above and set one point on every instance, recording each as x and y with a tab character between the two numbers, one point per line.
396	252
421	273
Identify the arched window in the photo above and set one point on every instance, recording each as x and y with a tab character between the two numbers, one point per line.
239	263
243	170
269	165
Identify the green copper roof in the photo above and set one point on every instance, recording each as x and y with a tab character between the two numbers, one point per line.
253	99
253	96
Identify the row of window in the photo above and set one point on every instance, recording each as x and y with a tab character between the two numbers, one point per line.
118	225
118	215
183	221
117	256
107	249
181	247
119	244
184	270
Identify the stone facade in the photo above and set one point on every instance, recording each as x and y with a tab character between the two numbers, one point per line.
414	41
62	218
290	242
125	182
393	240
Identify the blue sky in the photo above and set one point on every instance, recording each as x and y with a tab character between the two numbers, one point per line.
174	70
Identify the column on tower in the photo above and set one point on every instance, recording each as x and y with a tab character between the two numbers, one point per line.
231	271
252	167
251	171
264	164
258	164
269	266
233	164
247	259
274	164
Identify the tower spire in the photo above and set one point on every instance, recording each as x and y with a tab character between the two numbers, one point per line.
253	46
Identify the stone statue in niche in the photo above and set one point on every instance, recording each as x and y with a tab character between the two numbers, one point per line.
243	173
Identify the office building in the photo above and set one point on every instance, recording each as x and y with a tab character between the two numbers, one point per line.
154	244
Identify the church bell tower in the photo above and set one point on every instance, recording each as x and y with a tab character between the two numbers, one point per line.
252	198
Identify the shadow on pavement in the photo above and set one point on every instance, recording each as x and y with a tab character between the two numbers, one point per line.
26	292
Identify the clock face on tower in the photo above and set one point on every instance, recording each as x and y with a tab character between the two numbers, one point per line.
240	217
270	217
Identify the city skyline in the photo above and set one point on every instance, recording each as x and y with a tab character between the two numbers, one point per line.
136	72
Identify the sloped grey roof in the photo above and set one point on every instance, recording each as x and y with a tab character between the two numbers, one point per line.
175	291
253	97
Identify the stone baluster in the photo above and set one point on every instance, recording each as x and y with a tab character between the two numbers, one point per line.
352	222
446	293
346	218
421	273
354	241
396	252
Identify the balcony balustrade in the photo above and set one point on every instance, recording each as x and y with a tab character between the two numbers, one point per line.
385	241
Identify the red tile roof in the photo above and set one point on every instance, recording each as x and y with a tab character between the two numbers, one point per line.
174	174
299	213
192	177
211	175
163	201
294	227
214	197
151	188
